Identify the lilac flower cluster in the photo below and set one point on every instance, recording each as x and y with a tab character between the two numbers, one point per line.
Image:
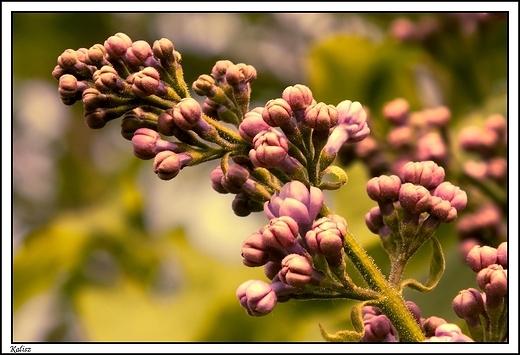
276	159
485	311
411	206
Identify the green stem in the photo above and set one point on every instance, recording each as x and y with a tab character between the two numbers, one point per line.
392	303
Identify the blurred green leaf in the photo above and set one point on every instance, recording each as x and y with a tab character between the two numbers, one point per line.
437	267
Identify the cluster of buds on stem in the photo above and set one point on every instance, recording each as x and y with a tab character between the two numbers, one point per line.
410	208
485	311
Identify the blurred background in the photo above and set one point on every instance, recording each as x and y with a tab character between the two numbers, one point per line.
105	251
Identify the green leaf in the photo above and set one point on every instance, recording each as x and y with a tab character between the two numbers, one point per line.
338	173
437	267
349	336
356	317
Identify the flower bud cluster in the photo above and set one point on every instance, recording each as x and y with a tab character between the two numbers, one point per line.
484	310
489	145
289	245
416	135
378	328
413	136
411	205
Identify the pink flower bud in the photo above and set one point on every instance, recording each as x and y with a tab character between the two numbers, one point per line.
457	197
299	97
257	297
321	116
502	254
493	281
468	304
187	114
252	124
374	220
401	138
163	49
295	200
270	149
144	142
254	251
396	111
277	113
327	235
384	188
117	45
425	173
235	178
240	74
281	232
353	118
415	199
148	82
379	329
220	68
137	54
216	180
168	164
204	85
480	257
442	210
438	117
297	271
431	147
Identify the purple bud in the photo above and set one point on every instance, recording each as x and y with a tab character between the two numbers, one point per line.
216	180
277	113
68	59
496	122
374	220
168	164
143	142
452	332
235	177
270	149
117	45
243	206
415	199
438	117
299	97
297	271
187	114
281	232
384	188
476	139
327	235
70	89
493	281
163	49
239	74
138	53
352	117
107	79
254	251
425	173
204	85
96	55
220	68
252	124
401	138
497	169
431	324
396	111
431	147
321	116
96	119
257	297
502	255
297	201
148	82
468	304
379	329
480	257
457	197
442	210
